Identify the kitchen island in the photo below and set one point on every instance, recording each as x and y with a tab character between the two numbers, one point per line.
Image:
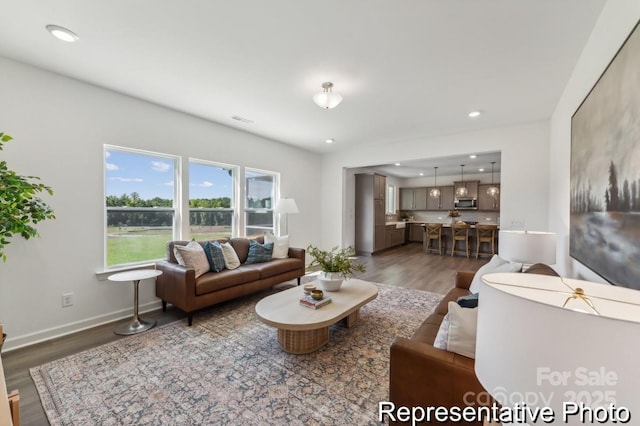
417	233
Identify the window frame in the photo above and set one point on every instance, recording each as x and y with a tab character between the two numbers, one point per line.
274	198
175	210
234	195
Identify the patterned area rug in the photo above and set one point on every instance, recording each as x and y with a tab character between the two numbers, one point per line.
228	369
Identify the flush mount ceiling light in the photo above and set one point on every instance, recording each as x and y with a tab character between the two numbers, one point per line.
493	190
62	33
330	140
474	114
435	191
397	164
473	156
327	99
462	190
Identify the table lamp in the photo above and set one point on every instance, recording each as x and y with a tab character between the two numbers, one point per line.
527	247
286	206
557	342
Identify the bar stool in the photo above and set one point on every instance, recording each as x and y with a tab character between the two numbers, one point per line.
460	234
434	234
486	234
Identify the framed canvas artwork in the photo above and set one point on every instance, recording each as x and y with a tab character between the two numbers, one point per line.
604	228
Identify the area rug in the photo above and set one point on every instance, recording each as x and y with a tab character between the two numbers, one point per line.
228	369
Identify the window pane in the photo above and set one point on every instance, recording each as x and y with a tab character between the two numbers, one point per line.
139	199
391	199
137	236
260	188
211	201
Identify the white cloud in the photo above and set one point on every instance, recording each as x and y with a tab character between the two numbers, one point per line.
159	166
169	183
107	154
121	179
204	184
111	167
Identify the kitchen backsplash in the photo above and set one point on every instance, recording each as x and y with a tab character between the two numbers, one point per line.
426	216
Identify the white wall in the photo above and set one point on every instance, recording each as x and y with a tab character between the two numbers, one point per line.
524	175
60	126
613	26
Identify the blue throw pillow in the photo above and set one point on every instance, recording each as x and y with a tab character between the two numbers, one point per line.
213	250
468	301
259	252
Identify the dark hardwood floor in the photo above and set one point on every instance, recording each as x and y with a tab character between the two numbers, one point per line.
403	266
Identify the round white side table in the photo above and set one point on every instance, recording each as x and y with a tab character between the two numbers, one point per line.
137	324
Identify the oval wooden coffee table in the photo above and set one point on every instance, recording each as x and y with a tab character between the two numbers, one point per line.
302	330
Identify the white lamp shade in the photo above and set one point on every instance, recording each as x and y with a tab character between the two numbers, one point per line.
287	205
327	100
528	247
530	349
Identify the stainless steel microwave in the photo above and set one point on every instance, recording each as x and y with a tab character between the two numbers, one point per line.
466	203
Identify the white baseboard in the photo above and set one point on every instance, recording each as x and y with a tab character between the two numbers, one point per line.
18	342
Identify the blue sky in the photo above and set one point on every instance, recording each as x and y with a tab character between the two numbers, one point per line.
150	176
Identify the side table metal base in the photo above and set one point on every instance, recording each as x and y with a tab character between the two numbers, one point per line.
135	326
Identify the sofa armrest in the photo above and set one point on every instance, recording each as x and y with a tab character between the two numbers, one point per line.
464	278
421	375
297	253
176	285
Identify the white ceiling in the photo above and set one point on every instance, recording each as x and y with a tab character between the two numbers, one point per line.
447	166
407	69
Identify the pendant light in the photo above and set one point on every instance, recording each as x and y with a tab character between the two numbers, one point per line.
493	190
435	191
462	190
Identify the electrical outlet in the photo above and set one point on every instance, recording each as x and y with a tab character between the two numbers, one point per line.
517	223
67	300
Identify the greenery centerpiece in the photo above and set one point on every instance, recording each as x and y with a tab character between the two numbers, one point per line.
21	207
336	265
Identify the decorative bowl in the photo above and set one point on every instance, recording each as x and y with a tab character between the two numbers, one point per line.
317	294
308	288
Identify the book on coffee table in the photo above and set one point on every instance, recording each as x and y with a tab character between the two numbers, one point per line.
312	303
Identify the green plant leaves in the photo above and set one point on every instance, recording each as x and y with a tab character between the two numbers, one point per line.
336	260
20	208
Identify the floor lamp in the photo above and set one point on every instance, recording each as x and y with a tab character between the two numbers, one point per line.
286	206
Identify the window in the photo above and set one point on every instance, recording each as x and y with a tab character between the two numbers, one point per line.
211	200
391	199
260	193
139	203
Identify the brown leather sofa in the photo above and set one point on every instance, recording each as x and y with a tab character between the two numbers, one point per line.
178	285
423	376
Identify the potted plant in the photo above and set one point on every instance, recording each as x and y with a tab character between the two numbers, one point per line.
336	265
21	208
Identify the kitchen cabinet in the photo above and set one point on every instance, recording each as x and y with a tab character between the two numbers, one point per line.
487	202
413	198
415	232
380	186
444	202
394	236
370	213
472	187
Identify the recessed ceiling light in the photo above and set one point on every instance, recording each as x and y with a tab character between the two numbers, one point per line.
474	114
397	164
472	156
62	33
421	174
330	140
481	170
